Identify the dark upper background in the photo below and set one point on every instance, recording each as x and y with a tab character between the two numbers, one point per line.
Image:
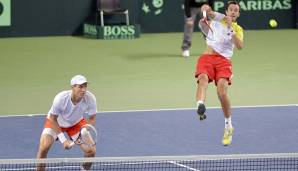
55	17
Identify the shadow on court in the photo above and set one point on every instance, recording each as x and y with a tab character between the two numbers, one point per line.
168	132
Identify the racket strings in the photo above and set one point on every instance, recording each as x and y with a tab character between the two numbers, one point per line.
205	28
88	136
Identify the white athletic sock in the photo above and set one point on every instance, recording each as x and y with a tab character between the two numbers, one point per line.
228	122
200	102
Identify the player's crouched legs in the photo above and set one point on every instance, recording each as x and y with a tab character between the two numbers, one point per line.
46	142
88	152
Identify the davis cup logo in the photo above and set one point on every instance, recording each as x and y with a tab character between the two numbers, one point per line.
155	7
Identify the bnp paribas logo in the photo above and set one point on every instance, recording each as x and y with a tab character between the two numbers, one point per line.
258	5
155	7
5	14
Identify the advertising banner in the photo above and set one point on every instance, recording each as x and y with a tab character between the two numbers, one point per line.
256	14
5	14
112	31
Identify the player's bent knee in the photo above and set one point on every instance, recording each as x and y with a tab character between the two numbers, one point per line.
203	79
43	151
46	142
222	93
203	76
90	152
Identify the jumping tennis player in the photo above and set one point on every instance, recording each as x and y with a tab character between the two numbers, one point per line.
222	35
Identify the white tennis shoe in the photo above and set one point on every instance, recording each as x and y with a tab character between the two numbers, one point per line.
185	53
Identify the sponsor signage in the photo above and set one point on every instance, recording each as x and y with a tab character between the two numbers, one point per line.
258	5
112	31
256	14
90	30
5	14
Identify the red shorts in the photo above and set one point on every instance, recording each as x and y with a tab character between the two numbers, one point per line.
71	130
215	66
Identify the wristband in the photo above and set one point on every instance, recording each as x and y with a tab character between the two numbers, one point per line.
61	137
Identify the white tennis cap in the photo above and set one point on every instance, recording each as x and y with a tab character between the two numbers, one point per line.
78	80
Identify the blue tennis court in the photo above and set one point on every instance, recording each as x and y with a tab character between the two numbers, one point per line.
267	129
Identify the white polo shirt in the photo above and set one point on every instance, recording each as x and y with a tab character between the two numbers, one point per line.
221	37
70	114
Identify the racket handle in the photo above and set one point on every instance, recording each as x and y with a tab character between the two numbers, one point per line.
204	14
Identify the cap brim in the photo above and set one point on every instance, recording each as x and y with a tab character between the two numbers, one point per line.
80	83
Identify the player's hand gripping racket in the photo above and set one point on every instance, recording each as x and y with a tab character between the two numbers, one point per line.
88	136
205	25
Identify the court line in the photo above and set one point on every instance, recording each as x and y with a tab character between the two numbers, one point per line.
183	166
156	110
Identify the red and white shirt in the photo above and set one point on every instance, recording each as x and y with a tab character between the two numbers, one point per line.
221	38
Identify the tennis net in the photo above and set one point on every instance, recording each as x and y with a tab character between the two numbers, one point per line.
236	162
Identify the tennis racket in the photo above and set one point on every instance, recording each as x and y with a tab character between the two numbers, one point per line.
205	25
88	136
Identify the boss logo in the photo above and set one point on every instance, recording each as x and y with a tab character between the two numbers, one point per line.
90	29
112	31
119	30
